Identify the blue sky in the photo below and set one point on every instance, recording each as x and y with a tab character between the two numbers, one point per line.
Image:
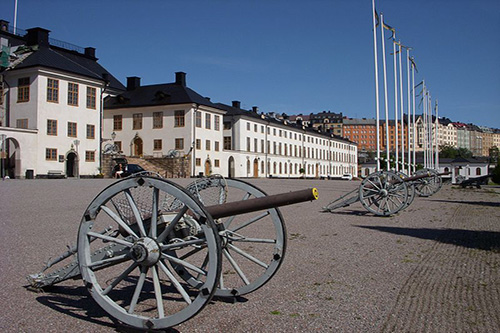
287	56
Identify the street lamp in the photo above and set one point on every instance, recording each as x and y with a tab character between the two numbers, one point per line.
113	136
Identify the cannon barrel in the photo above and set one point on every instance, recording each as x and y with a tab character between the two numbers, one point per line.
424	175
261	203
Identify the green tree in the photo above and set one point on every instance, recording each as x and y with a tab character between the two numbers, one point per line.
496	173
464	152
447	151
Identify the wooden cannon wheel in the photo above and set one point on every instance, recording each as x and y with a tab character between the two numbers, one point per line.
383	193
136	281
427	186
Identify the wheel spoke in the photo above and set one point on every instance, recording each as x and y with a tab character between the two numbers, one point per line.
183	263
172	224
228	222
118	220
253	220
120	278
246	255
136	212
138	289
108	261
154	213
158	293
236	266
110	239
176	283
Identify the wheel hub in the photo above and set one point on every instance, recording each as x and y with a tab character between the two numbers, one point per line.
145	251
384	192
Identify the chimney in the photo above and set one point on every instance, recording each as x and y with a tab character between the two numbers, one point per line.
4	25
237	104
255	109
37	36
133	82
180	78
90	52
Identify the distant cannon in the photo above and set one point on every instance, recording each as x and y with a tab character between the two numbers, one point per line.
385	193
152	254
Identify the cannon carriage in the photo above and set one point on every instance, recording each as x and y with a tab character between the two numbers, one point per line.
385	193
153	254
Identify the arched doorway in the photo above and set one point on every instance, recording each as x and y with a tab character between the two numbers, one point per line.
10	158
231	167
137	146
208	167
255	168
71	165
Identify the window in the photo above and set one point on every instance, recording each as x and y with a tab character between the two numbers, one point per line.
227	143
50	154
198	144
158	119
89	156
255	145
248	144
72	129
72	94
90	132
248	126
51	127
198	119
91	98
179	143
255	128
198	161
118	145
117	122
52	90
227	125
208	121
207	144
157	143
23	89
1	94
217	123
179	118
216	145
22	123
217	163
137	121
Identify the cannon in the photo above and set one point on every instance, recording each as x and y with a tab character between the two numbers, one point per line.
385	193
477	181
152	254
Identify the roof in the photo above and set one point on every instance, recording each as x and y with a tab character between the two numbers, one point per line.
234	111
69	61
158	94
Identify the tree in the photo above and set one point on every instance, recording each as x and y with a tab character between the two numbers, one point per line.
447	151
496	173
493	153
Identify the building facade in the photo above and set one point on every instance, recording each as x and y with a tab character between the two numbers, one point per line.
50	111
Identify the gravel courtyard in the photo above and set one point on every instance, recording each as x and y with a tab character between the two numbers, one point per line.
434	267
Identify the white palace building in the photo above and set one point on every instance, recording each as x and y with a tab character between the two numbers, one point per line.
221	139
59	108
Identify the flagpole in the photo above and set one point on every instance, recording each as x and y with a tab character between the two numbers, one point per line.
15	16
385	94
402	111
409	106
376	84
395	100
437	137
414	129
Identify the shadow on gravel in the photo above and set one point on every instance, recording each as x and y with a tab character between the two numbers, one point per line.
481	240
76	302
477	203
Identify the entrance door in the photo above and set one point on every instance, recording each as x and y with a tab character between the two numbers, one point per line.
138	147
255	168
71	165
208	167
231	167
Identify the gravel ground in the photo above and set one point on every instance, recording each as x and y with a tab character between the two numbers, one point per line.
433	267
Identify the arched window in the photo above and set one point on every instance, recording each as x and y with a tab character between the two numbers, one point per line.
446	170
274	168
248	167
478	171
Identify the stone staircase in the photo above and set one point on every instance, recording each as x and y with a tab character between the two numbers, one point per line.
146	165
169	168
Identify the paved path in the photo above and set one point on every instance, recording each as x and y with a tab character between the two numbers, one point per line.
434	267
